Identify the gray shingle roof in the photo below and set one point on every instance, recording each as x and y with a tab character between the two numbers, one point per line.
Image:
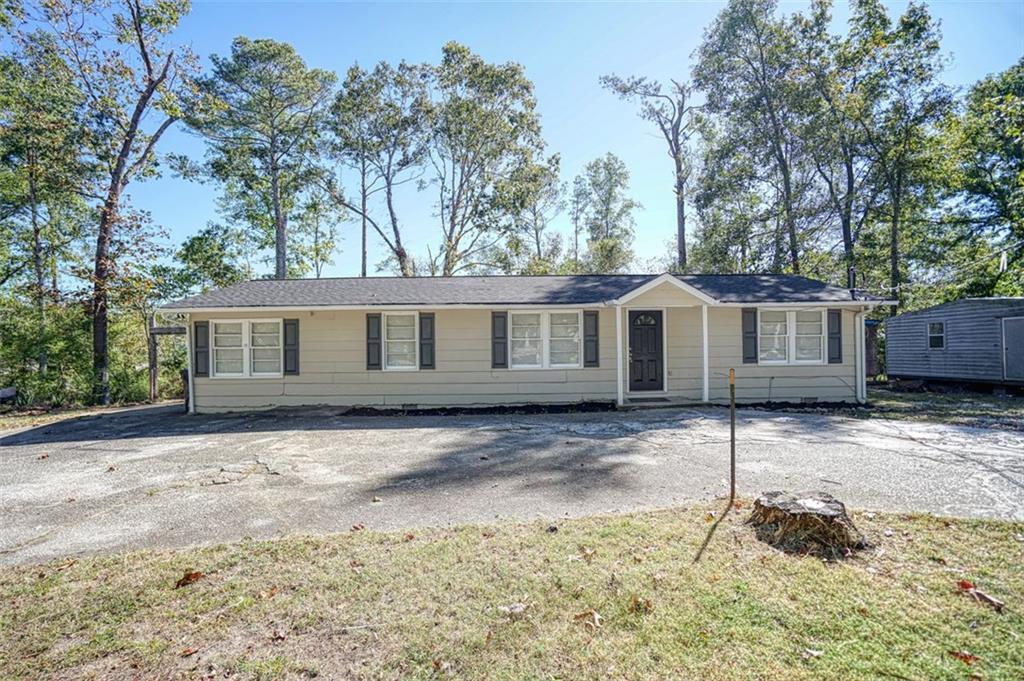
500	290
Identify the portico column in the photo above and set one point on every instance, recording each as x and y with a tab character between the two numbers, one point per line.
618	355
705	385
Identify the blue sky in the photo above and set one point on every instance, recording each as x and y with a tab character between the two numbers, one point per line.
564	48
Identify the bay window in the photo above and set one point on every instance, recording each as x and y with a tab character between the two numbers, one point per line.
246	348
545	340
791	336
400	341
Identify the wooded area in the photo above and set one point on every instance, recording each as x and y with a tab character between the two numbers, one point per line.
791	148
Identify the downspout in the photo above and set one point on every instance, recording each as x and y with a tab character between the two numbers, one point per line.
860	380
705	383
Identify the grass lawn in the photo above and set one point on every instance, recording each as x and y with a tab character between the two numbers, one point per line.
962	408
610	597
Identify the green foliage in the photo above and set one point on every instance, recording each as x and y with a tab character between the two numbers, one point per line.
261	114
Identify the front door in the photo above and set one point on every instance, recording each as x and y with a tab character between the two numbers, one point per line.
1013	348
646	353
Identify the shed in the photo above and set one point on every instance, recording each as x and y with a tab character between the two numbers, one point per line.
974	340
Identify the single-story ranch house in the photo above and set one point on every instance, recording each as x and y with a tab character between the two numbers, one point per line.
512	340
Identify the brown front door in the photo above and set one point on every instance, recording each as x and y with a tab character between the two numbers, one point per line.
646	353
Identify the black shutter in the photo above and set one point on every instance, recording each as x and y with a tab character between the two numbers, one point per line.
591	357
499	340
373	341
201	348
426	340
835	336
749	335
291	346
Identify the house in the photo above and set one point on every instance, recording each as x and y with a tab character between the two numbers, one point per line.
509	340
975	340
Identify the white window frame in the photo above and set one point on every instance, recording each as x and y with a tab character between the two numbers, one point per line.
415	339
545	340
791	335
246	348
928	335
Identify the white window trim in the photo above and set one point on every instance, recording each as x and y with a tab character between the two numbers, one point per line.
545	340
928	335
415	339
791	335
246	348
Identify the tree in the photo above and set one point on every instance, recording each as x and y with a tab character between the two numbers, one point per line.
379	125
119	55
262	117
318	224
213	258
42	150
904	63
543	200
483	126
674	116
747	68
579	204
986	179
609	219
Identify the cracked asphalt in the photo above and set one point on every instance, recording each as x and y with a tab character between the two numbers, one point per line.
155	478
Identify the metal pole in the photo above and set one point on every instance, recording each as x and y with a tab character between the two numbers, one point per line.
732	435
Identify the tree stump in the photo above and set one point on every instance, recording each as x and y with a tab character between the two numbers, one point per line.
806	523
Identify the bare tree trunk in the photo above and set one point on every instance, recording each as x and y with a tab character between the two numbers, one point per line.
40	271
680	215
280	220
894	245
101	275
362	205
405	264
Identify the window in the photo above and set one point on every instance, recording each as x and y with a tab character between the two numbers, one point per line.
936	335
773	340
540	340
791	336
400	336
247	348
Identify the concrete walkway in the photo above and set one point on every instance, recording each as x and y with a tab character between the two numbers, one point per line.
154	477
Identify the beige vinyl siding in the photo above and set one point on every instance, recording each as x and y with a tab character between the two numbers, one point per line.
754	383
332	369
332	363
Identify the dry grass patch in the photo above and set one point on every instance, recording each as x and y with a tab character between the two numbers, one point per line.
959	408
611	597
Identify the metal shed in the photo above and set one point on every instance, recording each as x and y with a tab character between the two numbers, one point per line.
975	340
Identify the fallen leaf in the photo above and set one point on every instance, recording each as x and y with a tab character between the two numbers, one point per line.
964	656
66	564
442	667
552	529
188	652
977	594
589	618
487	534
110	469
190	577
587	553
515	611
737	504
641	606
709	517
278	635
358	526
355	564
409	536
269	593
376	500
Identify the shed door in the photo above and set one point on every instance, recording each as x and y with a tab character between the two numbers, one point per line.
1013	348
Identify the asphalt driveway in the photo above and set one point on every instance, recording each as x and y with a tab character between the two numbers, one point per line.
153	477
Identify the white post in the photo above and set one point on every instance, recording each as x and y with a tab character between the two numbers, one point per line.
705	385
191	373
618	356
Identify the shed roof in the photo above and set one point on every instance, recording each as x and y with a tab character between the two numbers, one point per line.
589	289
